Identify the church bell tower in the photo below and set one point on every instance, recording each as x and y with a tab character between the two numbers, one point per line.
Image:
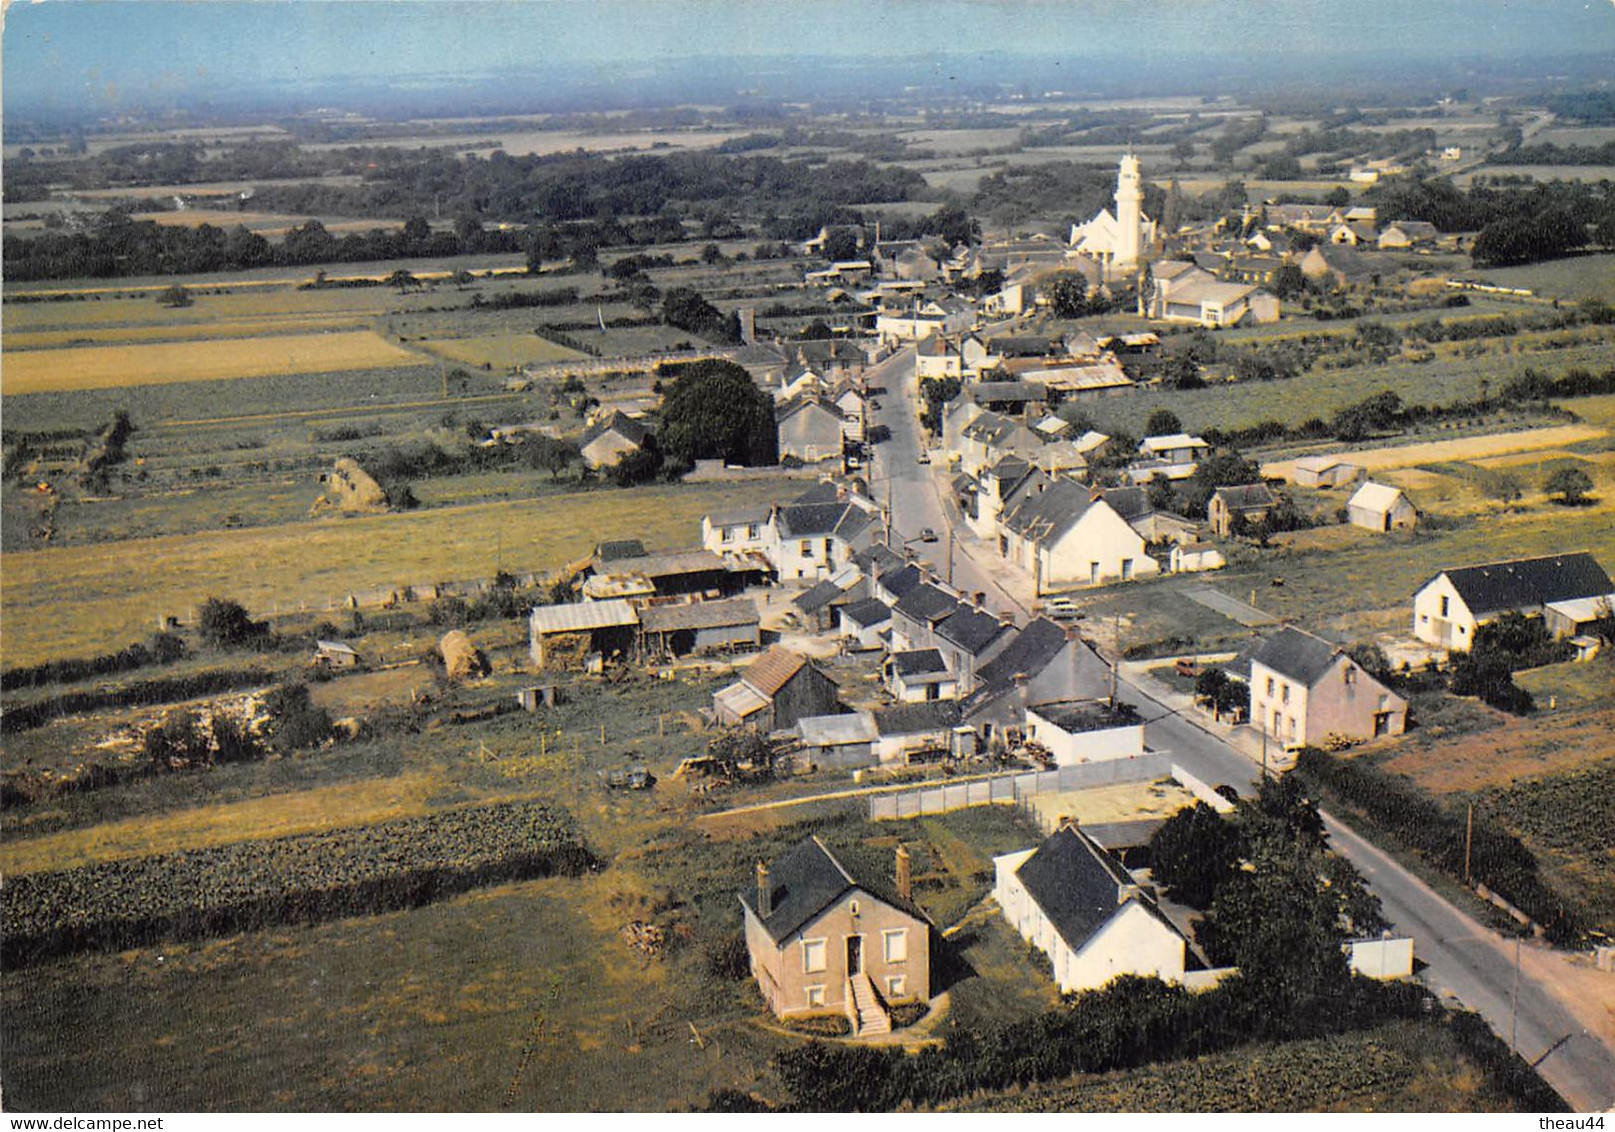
1129	214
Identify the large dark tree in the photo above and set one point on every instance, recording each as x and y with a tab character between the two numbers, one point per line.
713	410
1194	853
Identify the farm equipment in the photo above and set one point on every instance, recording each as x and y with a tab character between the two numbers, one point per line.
633	778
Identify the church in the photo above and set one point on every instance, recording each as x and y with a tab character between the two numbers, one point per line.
1117	241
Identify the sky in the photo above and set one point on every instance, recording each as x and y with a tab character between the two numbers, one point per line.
103	52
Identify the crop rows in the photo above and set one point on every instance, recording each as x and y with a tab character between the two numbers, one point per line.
288	880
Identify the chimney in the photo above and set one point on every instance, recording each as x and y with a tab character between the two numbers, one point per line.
765	892
904	884
981	598
1007	619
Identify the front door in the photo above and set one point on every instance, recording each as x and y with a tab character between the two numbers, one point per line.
855	955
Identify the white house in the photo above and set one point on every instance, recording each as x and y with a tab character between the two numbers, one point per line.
1192	557
918	675
1073	901
915	732
936	357
809	541
1304	688
1066	537
810	429
1449	607
1175	457
1381	507
1086	731
736	532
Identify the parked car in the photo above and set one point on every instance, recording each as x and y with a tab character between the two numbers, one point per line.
927	534
1061	609
924	457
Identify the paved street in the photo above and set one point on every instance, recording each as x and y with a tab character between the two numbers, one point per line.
1461	959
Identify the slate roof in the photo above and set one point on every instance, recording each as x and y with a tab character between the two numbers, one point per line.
805	882
926	602
1078	885
821	492
1131	503
1010	469
917	719
917	662
866	613
901	582
1015	392
971	629
817	597
1296	654
1052	513
621	424
1528	581
1020	345
1032	650
1245	497
773	670
877	559
810	520
744	517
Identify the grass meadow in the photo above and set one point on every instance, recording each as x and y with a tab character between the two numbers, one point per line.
500	351
112	593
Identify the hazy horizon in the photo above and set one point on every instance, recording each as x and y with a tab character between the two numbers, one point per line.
95	57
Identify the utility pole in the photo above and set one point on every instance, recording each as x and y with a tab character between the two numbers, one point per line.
1469	836
1115	665
1514	1002
950	552
1261	725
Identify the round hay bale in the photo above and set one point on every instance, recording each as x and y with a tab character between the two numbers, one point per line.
461	658
351	490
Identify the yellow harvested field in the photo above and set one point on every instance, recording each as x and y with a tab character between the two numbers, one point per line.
264	223
501	351
1466	448
113	367
1128	801
111	335
71	601
307	811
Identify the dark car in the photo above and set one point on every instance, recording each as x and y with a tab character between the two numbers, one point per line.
927	534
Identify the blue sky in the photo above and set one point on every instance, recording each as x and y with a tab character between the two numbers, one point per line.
108	50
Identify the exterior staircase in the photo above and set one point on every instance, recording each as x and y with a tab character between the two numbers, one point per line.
864	1008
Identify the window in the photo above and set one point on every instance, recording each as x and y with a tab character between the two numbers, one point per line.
814	955
815	996
806	548
1351	674
1284	692
896	986
728	534
829	546
1270	686
751	531
896	945
1444	603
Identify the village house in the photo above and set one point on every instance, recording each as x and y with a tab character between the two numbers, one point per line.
1086	731
1247	503
937	357
970	637
1193	557
609	440
818	607
811	430
1303	689
1045	663
736	532
335	655
917	614
918	675
1067	537
1449	607
1381	507
1075	902
1183	292
991	437
921	732
1402	234
774	691
821	941
862	623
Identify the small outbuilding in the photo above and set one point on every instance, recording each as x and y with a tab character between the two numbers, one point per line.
840	742
565	636
918	675
1326	471
1381	507
774	691
1085	731
681	628
335	654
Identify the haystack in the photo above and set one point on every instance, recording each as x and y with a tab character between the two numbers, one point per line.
351	490
461	658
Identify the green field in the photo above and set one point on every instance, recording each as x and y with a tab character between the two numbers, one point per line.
74	601
500	351
1580	277
1402	1067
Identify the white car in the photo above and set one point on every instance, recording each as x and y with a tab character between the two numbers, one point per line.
1061	609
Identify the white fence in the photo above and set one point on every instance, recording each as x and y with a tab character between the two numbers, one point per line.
1012	789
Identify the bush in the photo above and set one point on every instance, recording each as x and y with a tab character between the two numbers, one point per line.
225	624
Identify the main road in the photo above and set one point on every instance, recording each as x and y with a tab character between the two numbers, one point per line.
1461	959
